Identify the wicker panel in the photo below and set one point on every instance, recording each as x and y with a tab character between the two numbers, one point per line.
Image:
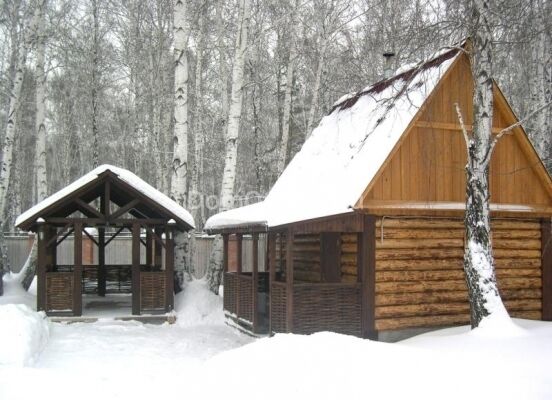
152	290
335	308
278	308
59	291
246	298
230	290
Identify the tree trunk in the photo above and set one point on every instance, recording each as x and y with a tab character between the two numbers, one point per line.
29	270
229	174
9	138
316	87
95	85
179	168
478	258
286	118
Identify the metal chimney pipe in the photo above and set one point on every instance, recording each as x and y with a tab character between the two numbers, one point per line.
388	71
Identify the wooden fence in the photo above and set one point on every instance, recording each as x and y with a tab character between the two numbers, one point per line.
119	252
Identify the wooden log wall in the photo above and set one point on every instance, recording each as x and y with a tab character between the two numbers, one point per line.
306	257
59	291
419	271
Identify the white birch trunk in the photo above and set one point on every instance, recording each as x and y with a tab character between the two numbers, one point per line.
316	87
286	118
179	168
29	270
8	145
483	293
95	84
223	71
234	117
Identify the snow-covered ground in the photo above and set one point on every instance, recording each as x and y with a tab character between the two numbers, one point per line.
201	358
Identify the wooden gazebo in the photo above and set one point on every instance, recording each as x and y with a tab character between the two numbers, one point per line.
111	200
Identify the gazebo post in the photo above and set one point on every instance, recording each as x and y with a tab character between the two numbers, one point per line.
149	247
255	278
289	280
77	270
158	257
239	257
102	275
41	266
136	268
169	266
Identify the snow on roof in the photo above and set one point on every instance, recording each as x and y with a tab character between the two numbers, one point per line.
123	174
344	153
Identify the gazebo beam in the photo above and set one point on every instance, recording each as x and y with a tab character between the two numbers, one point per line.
255	278
136	269
77	270
289	280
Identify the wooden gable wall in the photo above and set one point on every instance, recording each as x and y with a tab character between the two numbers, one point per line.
427	164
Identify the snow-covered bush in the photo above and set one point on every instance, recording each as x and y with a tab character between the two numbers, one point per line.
23	335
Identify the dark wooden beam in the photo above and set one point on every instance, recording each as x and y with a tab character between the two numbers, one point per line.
126	222
289	280
367	267
124	209
102	273
158	247
239	248
106	199
136	290
41	268
77	270
53	239
115	235
271	266
255	278
88	208
546	238
330	256
225	252
90	237
169	268
149	247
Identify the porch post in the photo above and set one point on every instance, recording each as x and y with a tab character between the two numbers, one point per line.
77	270
239	271
271	265
255	279
289	280
367	269
169	266
102	273
41	267
136	268
158	257
225	252
149	247
546	240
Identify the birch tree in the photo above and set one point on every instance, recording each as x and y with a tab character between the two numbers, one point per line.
230	160
29	269
8	144
179	168
479	268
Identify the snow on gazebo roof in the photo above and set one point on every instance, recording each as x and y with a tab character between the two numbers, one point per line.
126	176
344	153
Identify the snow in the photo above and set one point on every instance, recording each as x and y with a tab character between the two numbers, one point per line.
202	358
342	155
126	176
23	335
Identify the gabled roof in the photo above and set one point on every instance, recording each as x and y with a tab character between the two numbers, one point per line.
163	203
344	153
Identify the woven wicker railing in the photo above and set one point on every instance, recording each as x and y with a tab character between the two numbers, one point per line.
278	307
152	291
332	307
230	292
59	291
238	295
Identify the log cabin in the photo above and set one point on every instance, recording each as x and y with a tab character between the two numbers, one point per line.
100	205
364	229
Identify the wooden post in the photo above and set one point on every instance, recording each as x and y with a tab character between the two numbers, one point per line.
330	257
255	279
169	267
239	271
149	247
158	258
136	294
41	268
77	270
102	273
367	267
225	252
271	265
546	238
289	281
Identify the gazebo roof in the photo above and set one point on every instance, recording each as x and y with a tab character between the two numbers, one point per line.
125	187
